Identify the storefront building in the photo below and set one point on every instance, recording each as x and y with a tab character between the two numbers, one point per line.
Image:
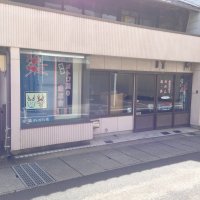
69	71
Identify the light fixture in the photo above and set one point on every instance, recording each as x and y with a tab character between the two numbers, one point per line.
63	55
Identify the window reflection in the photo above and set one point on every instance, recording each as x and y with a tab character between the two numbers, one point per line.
145	94
121	93
99	91
182	93
165	93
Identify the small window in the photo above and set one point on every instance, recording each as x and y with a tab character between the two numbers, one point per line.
74	6
53	4
129	17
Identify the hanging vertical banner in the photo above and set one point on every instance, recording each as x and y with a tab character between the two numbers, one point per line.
64	87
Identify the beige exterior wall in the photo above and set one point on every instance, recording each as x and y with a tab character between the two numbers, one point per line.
113	46
114	124
132	64
39	29
195	104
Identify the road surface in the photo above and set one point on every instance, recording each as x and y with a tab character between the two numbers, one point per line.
168	179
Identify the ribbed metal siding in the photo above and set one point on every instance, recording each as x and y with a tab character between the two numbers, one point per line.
38	29
55	135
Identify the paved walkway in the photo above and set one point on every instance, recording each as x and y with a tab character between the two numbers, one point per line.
65	165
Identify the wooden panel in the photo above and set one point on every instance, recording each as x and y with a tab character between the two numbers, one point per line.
144	122
164	120
44	30
181	119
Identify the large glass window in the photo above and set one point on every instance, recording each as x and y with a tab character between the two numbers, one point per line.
121	96
145	99
165	93
110	94
182	93
99	93
51	87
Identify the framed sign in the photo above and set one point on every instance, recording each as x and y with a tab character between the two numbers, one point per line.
36	100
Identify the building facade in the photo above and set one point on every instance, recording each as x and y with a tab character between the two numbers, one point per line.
74	69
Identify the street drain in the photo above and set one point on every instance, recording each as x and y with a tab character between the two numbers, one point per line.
177	131
108	141
165	133
32	175
192	134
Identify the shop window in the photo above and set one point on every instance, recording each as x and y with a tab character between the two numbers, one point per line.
51	88
182	93
121	94
99	94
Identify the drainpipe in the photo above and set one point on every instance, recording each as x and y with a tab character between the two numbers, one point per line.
7	143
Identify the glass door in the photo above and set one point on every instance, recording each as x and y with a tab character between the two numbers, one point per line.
162	101
145	102
165	100
182	99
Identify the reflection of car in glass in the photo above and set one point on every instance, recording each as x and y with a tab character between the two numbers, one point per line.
146	105
164	106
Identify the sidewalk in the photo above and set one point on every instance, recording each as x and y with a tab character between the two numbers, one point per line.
103	154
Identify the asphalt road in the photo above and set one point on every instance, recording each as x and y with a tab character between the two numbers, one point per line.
168	179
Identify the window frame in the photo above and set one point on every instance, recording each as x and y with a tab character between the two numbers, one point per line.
58	122
109	93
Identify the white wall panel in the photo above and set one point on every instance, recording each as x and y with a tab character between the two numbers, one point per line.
195	104
39	29
55	135
15	98
125	123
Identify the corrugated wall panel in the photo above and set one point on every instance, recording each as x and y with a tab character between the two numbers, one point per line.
55	135
39	29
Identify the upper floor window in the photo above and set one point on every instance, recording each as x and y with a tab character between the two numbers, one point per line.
53	4
134	12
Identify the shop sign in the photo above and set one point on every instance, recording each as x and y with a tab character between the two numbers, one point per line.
64	88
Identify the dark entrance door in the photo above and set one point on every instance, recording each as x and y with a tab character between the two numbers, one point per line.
145	102
162	101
